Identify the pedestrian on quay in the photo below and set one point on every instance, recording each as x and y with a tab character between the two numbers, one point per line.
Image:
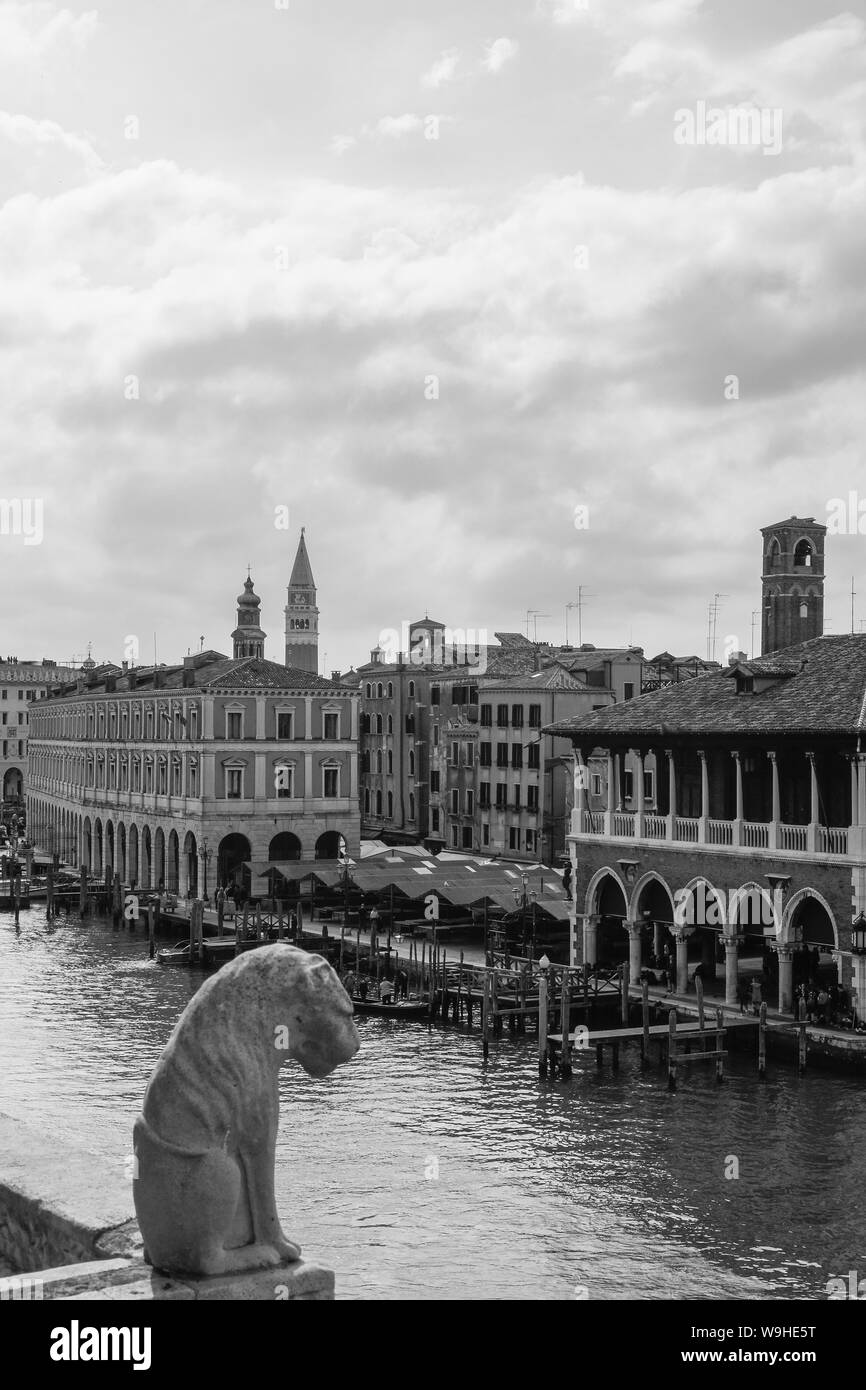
374	928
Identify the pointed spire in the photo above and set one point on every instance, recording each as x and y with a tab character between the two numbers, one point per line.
302	574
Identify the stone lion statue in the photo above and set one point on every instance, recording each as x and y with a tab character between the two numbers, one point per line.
205	1140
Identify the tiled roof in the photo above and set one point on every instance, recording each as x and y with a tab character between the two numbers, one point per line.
255	673
824	692
302	574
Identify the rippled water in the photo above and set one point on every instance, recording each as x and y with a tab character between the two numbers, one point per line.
417	1173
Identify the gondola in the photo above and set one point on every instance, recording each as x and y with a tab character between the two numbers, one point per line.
404	1008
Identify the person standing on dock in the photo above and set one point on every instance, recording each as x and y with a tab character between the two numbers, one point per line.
374	929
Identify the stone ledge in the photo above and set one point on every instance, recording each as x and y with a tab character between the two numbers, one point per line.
134	1280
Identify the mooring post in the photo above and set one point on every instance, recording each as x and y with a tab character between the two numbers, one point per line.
672	1050
762	1041
699	995
485	1016
565	1051
82	891
49	891
151	920
720	1043
624	989
542	1023
801	1041
645	1021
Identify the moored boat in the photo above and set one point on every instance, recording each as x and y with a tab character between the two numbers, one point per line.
216	950
404	1008
178	954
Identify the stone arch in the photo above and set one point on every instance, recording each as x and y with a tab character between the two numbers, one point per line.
700	880
284	846
607	906
172	865
110	847
13	780
190	854
87	845
798	898
121	852
159	857
98	847
330	845
132	853
634	907
590	903
233	859
759	916
146	857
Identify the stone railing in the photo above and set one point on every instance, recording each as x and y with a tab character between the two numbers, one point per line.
729	834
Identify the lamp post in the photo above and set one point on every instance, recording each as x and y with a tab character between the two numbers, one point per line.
205	856
521	899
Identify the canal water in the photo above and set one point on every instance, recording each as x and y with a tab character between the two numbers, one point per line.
416	1173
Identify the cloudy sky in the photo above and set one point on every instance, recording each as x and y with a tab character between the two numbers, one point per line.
431	277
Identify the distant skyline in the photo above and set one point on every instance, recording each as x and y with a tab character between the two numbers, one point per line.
431	278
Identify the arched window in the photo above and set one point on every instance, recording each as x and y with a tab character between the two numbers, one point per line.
803	555
390	805
379	691
390	724
390	690
378	723
390	761
369	692
411	805
378	803
411	690
411	762
379	761
367	799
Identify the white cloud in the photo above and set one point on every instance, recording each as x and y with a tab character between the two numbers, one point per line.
341	143
395	127
443	70
29	32
23	130
500	52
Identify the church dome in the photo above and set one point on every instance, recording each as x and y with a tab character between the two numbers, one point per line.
248	599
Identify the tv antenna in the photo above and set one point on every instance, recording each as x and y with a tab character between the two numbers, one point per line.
578	604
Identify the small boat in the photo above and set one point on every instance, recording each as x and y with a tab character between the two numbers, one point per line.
404	1008
178	954
215	950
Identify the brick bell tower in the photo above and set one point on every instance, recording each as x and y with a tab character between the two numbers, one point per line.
792	584
302	615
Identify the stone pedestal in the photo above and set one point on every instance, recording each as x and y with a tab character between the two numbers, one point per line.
681	938
731	977
634	952
786	973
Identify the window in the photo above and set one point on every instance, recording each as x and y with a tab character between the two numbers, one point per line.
501	795
485	751
517	796
331	782
411	763
367	799
486	716
284	778
513	837
175	778
502	716
434	694
284	725
483	793
379	760
628	690
596	784
470	754
331	725
467	837
193	778
470	803
148	776
390	725
532	798
502	755
455	754
530	841
390	690
628	784
455	836
378	803
233	724
435	735
390	762
411	805
379	725
535	716
390	805
533	756
434	821
485	833
434	781
648	786
411	691
517	755
455	802
369	692
162	778
234	783
379	691
517	716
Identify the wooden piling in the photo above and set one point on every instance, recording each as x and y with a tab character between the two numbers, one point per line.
624	995
485	1016
801	1040
82	892
699	995
151	922
672	1050
720	1044
762	1041
645	1020
542	1023
565	1050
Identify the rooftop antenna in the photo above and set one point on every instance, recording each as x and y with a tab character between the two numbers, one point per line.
535	614
581	595
755	612
852	602
711	625
201	643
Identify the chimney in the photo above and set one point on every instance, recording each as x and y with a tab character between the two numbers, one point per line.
124	666
131	678
335	676
736	657
188	672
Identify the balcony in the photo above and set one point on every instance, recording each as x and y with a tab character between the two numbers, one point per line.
644	827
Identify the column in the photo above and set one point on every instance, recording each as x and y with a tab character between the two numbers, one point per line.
861	789
855	819
206	716
353	777
672	794
738	813
611	799
814	812
354	734
579	792
590	939
658	928
260	791
309	789
617	782
705	798
308	716
776	812
634	952
786	974
731	969
261	703
638	797
681	937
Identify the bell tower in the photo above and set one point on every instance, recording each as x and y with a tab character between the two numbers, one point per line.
248	638
792	583
302	615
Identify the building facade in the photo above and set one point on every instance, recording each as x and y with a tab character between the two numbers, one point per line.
22	683
792	583
189	775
